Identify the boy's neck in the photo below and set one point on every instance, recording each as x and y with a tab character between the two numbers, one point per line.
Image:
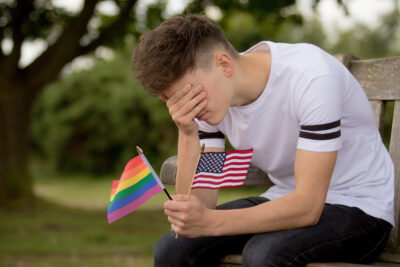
251	76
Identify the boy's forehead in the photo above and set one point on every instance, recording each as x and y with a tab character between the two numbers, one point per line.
188	78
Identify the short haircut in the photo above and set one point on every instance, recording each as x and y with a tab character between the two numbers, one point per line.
178	45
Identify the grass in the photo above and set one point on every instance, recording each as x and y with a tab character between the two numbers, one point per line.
68	227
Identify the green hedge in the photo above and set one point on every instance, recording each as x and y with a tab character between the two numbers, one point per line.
92	121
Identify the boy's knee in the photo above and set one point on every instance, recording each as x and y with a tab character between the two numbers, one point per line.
257	253
251	256
162	251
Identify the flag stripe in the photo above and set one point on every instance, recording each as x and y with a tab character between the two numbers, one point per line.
115	215
131	172
233	169
234	158
133	163
214	181
114	188
211	186
246	163
238	158
133	188
133	179
219	175
247	151
126	200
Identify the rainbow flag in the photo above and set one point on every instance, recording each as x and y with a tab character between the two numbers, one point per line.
137	184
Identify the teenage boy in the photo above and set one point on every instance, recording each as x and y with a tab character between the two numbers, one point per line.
311	128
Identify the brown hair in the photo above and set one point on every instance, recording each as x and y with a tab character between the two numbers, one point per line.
179	44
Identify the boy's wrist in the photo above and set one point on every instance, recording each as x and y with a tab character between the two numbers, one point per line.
188	134
214	221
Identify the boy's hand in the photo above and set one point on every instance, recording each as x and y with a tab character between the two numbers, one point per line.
184	105
189	218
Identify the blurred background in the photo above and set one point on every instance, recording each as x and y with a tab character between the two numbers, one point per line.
71	112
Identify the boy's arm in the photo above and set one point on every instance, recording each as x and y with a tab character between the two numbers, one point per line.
301	208
184	104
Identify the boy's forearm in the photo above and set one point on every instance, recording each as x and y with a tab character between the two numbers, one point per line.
188	154
289	212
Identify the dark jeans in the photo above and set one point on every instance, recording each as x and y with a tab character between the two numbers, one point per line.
345	234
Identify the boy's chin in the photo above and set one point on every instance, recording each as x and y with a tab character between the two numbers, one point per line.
213	121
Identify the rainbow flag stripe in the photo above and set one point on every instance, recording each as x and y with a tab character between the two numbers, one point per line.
137	184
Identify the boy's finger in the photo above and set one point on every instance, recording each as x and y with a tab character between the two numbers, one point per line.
179	94
192	103
172	205
192	93
197	109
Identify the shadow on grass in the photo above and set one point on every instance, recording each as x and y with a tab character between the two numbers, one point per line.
54	235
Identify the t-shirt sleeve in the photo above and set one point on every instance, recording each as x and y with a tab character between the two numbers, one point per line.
210	135
319	115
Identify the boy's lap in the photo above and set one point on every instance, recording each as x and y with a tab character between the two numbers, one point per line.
342	233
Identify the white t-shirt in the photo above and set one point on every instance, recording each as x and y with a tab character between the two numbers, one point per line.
312	102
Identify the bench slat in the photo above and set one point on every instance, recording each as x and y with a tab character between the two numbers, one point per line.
340	264
378	107
379	77
385	259
394	241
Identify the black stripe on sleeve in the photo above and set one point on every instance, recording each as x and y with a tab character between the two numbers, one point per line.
321	127
205	135
315	136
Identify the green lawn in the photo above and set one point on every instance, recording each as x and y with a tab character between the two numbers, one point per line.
68	226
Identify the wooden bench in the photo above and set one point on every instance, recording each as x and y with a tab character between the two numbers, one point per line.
380	79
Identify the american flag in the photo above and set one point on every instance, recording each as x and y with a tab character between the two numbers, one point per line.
222	169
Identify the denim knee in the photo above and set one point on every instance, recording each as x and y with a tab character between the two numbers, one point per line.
162	252
252	257
257	252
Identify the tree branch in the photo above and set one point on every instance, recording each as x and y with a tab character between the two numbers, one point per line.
9	63
112	30
1	40
18	14
50	62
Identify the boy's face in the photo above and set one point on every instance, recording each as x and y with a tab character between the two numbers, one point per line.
216	86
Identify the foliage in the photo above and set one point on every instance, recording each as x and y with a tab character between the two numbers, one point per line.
364	42
94	119
247	22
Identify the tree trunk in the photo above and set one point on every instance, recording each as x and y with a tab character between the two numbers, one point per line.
15	181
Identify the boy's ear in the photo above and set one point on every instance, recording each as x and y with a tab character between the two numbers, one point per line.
225	62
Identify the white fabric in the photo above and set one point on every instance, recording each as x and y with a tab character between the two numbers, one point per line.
309	87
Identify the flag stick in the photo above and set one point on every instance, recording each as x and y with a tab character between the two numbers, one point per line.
194	174
140	152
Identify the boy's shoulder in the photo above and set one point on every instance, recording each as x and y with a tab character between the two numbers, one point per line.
304	61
